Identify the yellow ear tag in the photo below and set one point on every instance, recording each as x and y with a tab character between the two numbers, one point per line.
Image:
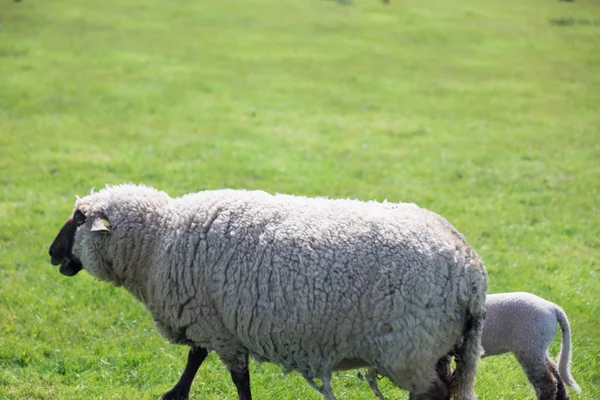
101	225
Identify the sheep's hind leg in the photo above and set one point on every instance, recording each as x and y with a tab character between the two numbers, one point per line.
444	370
181	390
423	384
437	390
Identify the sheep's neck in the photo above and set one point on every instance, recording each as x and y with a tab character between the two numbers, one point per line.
134	274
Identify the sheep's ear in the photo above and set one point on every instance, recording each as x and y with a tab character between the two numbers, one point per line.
101	225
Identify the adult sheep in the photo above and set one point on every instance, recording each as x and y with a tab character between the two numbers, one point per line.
314	285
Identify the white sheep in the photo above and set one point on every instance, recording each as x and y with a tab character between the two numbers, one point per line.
314	285
525	325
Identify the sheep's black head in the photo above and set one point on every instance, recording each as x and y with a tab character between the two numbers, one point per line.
104	249
61	250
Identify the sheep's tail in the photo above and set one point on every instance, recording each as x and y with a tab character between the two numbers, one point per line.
469	350
467	357
564	358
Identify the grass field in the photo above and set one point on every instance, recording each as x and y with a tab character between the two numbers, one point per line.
487	112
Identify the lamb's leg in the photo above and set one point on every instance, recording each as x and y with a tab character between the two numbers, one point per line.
327	391
540	376
181	390
561	391
240	376
372	381
312	383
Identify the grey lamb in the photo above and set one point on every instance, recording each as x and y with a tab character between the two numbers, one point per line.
312	284
524	324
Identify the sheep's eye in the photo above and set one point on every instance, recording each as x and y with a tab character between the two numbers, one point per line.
79	218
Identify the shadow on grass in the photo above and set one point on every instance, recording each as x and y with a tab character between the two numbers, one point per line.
573	21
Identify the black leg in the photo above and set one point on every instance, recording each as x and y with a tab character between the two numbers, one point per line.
241	378
561	391
181	390
444	370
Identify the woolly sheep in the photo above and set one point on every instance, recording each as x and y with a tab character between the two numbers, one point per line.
312	284
524	324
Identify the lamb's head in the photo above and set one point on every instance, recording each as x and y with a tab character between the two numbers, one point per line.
100	228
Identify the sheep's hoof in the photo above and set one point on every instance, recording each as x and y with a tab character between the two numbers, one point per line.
175	394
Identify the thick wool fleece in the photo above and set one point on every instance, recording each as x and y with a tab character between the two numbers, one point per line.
311	284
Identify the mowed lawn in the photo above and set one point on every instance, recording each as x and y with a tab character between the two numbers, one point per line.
487	112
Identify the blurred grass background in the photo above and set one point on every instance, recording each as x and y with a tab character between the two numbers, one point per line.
486	112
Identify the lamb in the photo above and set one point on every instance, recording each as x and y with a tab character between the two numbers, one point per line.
311	284
524	324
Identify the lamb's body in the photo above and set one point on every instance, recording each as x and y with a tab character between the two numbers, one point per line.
311	284
525	324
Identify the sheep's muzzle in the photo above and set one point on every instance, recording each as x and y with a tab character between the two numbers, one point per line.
68	267
61	250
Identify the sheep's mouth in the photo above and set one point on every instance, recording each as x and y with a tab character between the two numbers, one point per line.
68	266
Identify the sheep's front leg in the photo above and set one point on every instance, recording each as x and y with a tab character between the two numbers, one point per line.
240	377
242	384
181	390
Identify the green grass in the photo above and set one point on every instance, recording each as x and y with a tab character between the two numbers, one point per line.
487	112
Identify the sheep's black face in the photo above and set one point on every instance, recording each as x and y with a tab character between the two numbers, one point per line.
70	267
61	250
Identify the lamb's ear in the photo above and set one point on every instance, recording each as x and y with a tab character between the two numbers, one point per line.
101	225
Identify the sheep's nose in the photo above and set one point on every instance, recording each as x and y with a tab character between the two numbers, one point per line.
51	252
